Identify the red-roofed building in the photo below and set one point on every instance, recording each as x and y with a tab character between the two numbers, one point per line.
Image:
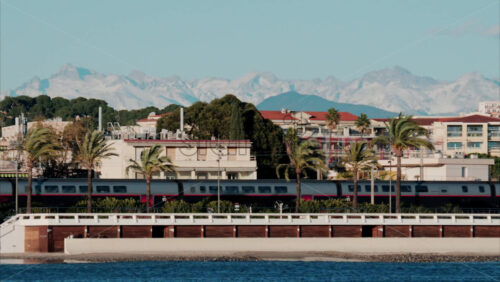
151	120
459	136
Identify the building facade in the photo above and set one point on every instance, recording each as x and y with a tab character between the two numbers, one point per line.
491	108
193	159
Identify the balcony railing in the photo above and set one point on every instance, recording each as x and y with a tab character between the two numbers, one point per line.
455	134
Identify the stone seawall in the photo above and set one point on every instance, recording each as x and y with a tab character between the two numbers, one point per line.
469	246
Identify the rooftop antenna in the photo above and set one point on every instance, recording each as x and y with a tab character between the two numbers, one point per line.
182	119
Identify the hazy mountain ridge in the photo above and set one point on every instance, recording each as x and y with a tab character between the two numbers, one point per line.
393	89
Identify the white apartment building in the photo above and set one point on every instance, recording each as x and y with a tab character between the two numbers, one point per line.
438	168
491	108
193	159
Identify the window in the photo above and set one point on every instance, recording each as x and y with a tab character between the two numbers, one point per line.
421	189
192	189
51	189
202	154
213	189
120	189
454	145
351	188
232	175
444	190
368	188
231	154
405	188
474	130
385	188
68	189
454	130
203	189
83	188
201	175
474	144
102	189
465	189
264	189
494	130
171	153
248	189
231	189
481	189
38	189
493	145
280	189
464	171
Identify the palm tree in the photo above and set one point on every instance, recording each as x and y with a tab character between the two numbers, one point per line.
403	133
91	151
150	163
38	143
358	157
303	155
362	123
332	120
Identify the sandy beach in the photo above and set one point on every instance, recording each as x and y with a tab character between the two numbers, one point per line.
241	256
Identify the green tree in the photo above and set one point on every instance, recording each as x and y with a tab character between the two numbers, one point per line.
358	156
403	133
150	163
332	120
91	151
37	144
302	155
236	132
362	123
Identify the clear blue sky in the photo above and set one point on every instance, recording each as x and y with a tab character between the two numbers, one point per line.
219	38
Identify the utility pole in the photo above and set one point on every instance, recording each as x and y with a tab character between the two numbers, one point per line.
219	152
372	190
390	185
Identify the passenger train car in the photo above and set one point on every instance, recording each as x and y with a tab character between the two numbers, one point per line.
428	193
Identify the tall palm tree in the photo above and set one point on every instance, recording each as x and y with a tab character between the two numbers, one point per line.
303	155
358	157
38	143
150	163
362	123
91	151
403	133
332	120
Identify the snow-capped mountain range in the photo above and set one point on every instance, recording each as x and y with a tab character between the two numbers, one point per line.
393	89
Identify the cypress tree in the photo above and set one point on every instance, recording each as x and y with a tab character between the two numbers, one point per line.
236	131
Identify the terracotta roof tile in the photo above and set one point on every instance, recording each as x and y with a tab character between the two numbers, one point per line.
321	116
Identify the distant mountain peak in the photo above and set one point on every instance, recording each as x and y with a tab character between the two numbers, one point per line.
392	89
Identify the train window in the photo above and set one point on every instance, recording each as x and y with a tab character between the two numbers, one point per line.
83	189
368	188
465	189
406	188
102	189
264	189
51	189
444	190
120	189
68	189
248	189
193	189
38	189
280	189
385	188
421	188
481	189
203	189
351	188
231	189
213	189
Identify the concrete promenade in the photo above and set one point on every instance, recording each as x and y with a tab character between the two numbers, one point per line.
372	246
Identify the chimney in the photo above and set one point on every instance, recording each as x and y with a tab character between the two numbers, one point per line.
100	118
182	120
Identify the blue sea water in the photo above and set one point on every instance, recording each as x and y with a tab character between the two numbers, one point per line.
252	271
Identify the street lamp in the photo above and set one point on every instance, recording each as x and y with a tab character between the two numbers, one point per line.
390	185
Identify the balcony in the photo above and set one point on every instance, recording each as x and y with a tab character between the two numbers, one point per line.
474	133
454	133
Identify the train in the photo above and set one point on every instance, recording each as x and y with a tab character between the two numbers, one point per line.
465	194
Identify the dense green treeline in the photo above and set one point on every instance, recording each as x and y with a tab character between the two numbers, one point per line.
45	107
229	118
